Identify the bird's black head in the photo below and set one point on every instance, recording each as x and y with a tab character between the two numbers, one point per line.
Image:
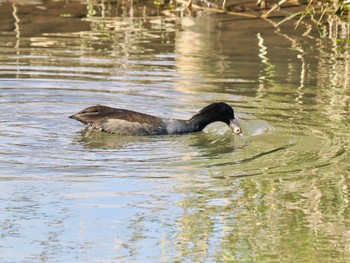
221	111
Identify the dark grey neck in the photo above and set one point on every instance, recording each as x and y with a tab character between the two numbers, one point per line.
199	121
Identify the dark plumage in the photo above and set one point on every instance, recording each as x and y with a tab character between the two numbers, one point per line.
127	122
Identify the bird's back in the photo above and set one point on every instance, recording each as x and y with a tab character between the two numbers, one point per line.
120	121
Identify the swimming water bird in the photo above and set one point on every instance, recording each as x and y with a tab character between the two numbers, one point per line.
127	122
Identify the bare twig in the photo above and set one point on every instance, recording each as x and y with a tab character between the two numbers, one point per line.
273	8
189	3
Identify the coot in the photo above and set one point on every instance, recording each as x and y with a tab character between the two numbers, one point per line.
127	122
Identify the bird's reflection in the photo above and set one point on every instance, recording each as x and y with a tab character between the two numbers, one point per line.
97	139
208	144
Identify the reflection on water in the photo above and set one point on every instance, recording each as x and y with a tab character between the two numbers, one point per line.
278	193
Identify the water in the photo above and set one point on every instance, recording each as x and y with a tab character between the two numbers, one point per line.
279	193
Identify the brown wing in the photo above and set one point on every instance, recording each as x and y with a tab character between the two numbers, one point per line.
100	113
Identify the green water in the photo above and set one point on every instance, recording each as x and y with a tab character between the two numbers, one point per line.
278	193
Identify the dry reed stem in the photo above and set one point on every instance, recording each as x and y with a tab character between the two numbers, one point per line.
273	8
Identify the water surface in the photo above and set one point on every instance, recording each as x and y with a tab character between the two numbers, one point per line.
279	193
